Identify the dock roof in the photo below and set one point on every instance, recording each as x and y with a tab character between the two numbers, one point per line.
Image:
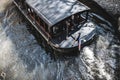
54	11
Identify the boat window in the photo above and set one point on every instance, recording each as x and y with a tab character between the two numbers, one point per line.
42	22
26	6
46	27
36	17
74	21
32	11
68	25
57	29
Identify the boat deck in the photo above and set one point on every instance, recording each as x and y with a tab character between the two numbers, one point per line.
86	33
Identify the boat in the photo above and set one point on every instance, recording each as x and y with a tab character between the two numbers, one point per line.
65	25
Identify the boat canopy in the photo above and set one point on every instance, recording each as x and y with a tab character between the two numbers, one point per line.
54	11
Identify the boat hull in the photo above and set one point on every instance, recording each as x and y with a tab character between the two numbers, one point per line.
73	50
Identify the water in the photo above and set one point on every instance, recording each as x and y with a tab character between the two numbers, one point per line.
114	5
22	58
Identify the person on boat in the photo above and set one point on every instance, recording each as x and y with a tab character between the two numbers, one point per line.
77	18
79	42
75	21
55	29
68	28
72	22
78	39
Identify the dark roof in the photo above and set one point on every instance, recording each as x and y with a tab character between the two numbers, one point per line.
53	11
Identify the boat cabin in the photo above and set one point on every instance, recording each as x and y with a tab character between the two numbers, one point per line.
58	21
56	17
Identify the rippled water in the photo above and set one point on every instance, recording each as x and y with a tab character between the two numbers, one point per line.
22	58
